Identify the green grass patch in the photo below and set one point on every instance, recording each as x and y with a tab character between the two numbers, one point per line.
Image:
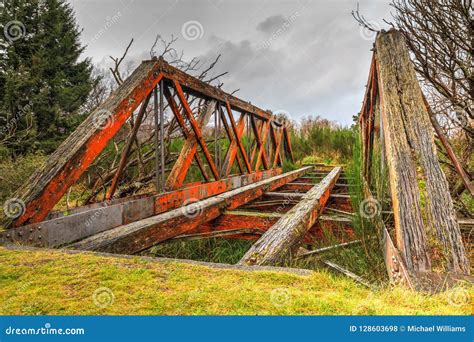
57	283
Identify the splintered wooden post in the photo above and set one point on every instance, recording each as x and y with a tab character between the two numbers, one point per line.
411	152
283	237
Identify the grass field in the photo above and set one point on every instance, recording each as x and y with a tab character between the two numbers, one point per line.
57	283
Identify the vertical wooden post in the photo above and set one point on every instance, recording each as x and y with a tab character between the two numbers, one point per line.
162	136
411	153
157	139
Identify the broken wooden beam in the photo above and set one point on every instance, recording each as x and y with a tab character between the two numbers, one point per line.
279	241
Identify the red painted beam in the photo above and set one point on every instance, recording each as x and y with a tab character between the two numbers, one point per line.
196	129
143	234
98	217
66	165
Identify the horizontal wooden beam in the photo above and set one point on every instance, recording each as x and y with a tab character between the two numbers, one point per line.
196	87
93	219
140	235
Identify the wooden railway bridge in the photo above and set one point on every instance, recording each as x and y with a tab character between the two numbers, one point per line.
245	195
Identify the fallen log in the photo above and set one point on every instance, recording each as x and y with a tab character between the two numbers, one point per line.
283	237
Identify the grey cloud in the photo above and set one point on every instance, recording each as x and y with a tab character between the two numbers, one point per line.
271	24
318	65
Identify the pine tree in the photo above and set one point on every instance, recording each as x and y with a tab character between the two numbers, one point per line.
43	82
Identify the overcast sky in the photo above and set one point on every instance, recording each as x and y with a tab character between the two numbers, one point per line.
300	57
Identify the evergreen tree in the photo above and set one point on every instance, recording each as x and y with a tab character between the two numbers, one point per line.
43	82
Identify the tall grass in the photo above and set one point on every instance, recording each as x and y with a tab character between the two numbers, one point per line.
327	144
363	227
365	259
217	250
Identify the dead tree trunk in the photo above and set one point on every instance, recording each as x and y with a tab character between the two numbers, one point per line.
281	239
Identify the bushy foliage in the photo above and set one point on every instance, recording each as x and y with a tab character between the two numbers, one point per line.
323	141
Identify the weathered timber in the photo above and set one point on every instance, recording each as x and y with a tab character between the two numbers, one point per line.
339	219
95	218
188	151
338	211
196	87
282	238
64	167
186	134
394	263
195	127
140	235
231	154
284	195
127	148
409	142
300	187
252	224
236	134
219	233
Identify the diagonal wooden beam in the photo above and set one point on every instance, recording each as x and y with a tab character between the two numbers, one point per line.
188	151
66	165
127	148
288	148
231	154
196	129
182	124
261	153
255	146
277	138
239	141
284	236
449	150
